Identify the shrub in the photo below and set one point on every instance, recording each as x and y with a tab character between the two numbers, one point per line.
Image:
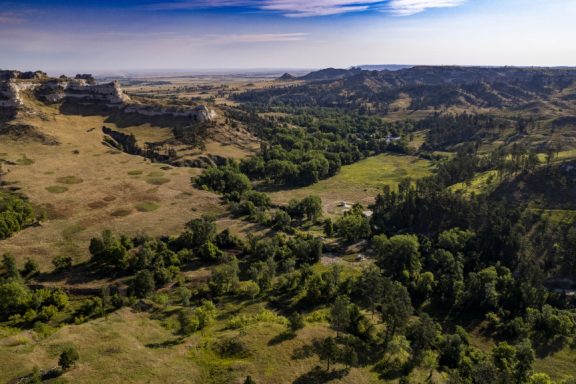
62	263
264	316
232	347
68	358
250	289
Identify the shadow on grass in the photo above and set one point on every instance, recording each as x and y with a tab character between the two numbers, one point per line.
546	347
282	337
318	376
166	344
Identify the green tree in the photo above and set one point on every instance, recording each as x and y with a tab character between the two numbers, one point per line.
296	321
281	220
202	230
353	227
396	309
10	268
108	250
422	335
340	314
328	227
312	207
399	256
209	252
371	286
143	283
15	297
224	278
327	350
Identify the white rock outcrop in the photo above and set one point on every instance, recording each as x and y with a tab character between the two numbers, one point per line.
85	92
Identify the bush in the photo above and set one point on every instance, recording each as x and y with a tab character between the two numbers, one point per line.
62	263
250	289
68	358
264	316
232	347
296	321
31	268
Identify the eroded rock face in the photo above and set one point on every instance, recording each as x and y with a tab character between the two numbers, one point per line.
81	90
10	94
84	90
199	113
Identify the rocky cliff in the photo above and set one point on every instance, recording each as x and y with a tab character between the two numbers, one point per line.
83	90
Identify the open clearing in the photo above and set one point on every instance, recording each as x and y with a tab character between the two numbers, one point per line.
361	181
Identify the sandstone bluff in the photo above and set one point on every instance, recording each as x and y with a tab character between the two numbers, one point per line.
16	87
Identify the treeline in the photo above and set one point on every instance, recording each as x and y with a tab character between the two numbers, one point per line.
15	214
445	130
18	303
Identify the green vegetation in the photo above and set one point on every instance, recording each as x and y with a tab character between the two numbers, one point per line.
147	206
361	243
56	189
374	173
15	214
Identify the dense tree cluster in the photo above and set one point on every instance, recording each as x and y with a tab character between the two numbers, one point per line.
313	144
15	214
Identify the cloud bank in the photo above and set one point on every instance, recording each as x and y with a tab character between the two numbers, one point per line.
313	8
412	7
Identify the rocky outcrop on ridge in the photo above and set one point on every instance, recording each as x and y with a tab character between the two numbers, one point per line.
83	90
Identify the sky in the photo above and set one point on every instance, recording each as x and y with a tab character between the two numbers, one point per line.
73	36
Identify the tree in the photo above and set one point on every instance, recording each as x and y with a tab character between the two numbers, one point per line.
143	283
504	358
371	286
524	358
209	252
312	207
108	250
328	227
399	256
281	220
202	230
68	358
15	297
455	239
10	268
340	314
224	277
327	350
296	321
422	334
396	309
353	227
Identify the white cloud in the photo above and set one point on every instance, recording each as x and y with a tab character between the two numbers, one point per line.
288	8
310	8
411	7
254	38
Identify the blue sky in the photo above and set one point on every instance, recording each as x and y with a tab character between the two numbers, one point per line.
124	35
